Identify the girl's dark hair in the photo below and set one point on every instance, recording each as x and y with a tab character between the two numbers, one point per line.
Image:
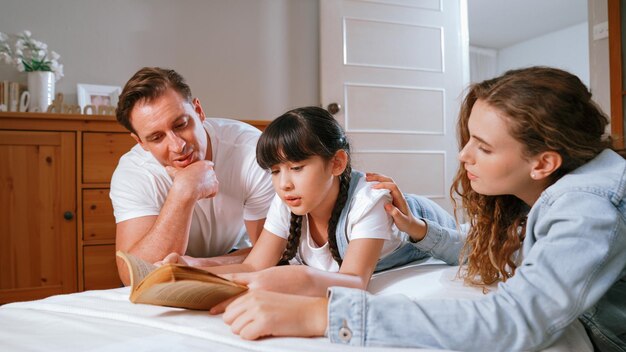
298	135
546	109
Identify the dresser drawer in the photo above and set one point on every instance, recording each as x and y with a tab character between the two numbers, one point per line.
98	219
101	152
100	269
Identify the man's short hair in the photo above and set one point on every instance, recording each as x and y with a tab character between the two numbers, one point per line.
148	84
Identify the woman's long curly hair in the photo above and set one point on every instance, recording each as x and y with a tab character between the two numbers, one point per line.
546	109
298	135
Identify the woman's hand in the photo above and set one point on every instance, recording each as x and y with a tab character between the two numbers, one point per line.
261	313
399	209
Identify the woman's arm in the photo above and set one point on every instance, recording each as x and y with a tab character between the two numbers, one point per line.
579	258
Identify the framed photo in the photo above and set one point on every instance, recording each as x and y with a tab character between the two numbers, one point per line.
97	98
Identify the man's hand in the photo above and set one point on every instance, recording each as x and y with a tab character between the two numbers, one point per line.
197	180
174	258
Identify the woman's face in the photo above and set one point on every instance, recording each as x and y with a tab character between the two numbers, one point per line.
494	160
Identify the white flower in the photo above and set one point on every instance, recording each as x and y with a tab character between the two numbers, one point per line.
29	54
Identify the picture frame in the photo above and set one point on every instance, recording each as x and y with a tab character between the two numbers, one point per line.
97	99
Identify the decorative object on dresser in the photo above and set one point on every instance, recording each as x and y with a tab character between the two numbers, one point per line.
41	88
43	67
97	99
13	96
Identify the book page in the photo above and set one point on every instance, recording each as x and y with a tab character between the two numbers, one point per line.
138	268
176	285
188	294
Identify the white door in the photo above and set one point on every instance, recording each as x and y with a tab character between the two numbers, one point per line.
397	69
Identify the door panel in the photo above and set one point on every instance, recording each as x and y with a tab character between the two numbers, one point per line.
398	69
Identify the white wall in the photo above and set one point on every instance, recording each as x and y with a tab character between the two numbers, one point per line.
247	59
599	56
567	49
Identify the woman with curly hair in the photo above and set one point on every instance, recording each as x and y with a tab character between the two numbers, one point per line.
543	195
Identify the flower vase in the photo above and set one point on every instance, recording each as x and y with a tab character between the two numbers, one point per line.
41	89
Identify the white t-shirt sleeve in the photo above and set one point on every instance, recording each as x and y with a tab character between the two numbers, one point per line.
260	192
368	218
278	218
134	194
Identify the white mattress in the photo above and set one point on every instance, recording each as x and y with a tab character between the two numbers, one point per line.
104	320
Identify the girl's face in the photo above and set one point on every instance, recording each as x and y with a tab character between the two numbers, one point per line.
493	159
307	186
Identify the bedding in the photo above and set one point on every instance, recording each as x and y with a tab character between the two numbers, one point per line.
105	320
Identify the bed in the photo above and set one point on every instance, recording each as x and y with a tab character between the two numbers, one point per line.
105	320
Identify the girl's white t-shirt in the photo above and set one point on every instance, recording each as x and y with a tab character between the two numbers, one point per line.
366	219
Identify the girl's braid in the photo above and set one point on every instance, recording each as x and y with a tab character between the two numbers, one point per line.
295	229
344	185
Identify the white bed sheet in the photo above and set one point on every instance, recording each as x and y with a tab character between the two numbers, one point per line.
104	320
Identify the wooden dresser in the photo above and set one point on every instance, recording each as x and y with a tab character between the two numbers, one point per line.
57	230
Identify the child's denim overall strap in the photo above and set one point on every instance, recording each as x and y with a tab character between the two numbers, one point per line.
340	232
420	207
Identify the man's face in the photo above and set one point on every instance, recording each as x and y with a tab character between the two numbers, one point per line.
171	129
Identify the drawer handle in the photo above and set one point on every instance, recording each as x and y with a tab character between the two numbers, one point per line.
68	215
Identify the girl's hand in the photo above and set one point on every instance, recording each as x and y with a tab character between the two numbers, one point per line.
399	209
261	313
277	279
263	280
285	278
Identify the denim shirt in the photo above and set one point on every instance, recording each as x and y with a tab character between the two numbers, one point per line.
573	267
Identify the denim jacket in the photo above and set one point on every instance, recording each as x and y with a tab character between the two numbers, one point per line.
573	267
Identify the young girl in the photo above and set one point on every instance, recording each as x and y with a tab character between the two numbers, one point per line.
544	196
324	215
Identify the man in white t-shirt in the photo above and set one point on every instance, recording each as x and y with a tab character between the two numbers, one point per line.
191	185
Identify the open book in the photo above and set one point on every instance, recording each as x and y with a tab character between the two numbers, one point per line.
176	285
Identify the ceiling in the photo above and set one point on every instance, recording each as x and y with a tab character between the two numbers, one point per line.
498	24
